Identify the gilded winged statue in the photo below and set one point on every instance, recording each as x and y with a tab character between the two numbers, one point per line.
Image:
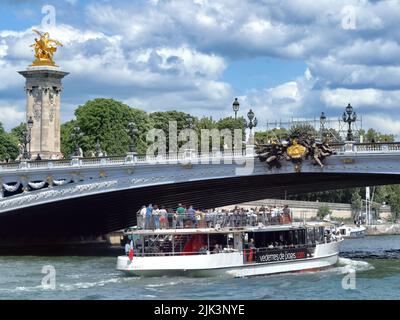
44	47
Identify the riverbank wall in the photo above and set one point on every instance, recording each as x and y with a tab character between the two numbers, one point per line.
309	209
383	229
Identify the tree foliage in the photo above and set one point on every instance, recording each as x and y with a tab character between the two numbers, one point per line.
302	130
323	211
375	136
8	145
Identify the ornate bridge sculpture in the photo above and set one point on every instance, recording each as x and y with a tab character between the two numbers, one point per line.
97	195
296	151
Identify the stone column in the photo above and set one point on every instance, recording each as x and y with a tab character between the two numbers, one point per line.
43	88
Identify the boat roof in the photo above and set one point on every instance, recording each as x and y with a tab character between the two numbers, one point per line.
225	230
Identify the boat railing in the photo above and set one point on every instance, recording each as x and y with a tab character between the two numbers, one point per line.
140	253
255	252
210	220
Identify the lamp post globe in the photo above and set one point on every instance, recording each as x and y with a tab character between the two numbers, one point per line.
322	118
322	121
30	122
30	126
349	117
250	115
252	121
132	132
235	107
349	109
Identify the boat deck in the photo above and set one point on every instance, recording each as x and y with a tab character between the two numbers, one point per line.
224	230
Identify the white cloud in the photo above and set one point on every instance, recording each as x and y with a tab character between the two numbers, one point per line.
10	114
382	123
172	54
365	98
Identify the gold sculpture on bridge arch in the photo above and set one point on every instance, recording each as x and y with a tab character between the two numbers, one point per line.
44	47
296	149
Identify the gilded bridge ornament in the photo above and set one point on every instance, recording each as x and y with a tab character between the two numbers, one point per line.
299	149
45	48
296	151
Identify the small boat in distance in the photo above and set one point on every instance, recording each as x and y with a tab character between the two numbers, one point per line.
238	250
352	231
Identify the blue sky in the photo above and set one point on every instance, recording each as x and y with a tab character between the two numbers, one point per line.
283	59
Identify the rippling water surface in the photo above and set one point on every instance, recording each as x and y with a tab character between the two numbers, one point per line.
375	259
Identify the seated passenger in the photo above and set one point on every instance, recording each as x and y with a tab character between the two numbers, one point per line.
216	249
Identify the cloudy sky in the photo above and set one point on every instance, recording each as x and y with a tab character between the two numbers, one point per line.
281	58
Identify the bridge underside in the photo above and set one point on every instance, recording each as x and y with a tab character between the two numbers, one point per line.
106	212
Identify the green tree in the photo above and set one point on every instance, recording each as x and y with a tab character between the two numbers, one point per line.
356	202
105	120
323	211
8	145
264	137
389	194
232	124
67	144
18	131
143	124
161	120
302	130
375	136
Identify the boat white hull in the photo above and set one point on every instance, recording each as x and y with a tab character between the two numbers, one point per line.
230	264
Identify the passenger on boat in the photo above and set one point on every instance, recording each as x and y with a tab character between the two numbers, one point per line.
163	218
203	249
156	217
142	215
252	244
127	248
191	213
181	213
149	212
217	249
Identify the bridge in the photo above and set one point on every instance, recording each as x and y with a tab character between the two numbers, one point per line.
86	196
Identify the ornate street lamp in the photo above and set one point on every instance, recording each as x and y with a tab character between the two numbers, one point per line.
26	138
30	126
252	121
132	132
98	148
76	135
322	121
349	116
235	107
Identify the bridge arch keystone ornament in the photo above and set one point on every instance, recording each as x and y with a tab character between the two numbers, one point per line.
299	149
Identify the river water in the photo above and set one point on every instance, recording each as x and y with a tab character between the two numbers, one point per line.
376	261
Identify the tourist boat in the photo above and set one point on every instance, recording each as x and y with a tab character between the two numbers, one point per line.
235	251
352	231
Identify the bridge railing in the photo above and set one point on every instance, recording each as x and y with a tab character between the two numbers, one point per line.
367	147
112	160
181	157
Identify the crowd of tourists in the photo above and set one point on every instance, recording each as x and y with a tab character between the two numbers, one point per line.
159	217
